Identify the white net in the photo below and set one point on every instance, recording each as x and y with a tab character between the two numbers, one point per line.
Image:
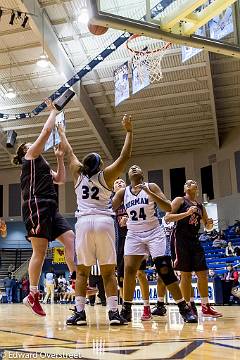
147	57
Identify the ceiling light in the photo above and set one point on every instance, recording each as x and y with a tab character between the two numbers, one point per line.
43	61
83	16
12	18
10	94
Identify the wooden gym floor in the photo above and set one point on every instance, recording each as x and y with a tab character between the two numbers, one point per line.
23	335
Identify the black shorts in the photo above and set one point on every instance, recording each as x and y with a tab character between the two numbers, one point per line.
43	220
188	255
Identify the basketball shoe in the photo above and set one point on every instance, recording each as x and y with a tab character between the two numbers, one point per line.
159	310
116	319
194	308
126	311
78	318
32	301
186	313
209	311
146	313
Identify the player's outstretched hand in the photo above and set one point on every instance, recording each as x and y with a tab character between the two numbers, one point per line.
127	122
59	151
50	104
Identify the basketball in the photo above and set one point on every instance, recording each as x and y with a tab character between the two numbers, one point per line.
97	29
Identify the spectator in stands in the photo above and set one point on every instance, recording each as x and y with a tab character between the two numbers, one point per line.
211	273
235	276
3	228
229	249
8	284
213	234
237	250
228	281
219	243
62	280
222	235
204	237
237	230
49	284
25	287
15	287
11	268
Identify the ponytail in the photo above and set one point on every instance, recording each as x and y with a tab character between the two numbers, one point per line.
17	159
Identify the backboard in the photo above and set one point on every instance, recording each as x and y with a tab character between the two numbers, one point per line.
175	21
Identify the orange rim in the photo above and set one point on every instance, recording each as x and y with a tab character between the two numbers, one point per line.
137	52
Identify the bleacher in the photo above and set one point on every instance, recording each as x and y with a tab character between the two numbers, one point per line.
216	258
15	257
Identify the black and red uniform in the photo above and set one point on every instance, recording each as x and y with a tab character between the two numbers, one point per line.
40	209
187	252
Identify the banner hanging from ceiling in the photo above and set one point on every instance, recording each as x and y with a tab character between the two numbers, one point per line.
222	25
121	83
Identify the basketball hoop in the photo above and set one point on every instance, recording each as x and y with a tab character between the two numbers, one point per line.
147	56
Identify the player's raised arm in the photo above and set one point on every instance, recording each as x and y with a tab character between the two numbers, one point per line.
37	147
59	176
112	172
74	164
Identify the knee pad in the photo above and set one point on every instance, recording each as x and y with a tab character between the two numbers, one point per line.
165	270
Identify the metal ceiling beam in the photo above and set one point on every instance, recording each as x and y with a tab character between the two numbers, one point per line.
61	61
19	64
158	97
163	127
164	71
47	3
163	84
20	126
12	31
162	109
20	47
212	97
158	120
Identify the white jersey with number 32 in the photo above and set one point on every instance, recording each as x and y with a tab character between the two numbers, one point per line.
140	209
93	196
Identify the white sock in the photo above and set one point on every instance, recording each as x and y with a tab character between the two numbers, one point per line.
191	299
178	301
33	289
112	302
80	303
146	302
204	300
161	299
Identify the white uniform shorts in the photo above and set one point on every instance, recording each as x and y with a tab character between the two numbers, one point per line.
95	240
151	242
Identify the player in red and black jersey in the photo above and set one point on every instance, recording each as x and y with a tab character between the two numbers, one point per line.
187	252
42	219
